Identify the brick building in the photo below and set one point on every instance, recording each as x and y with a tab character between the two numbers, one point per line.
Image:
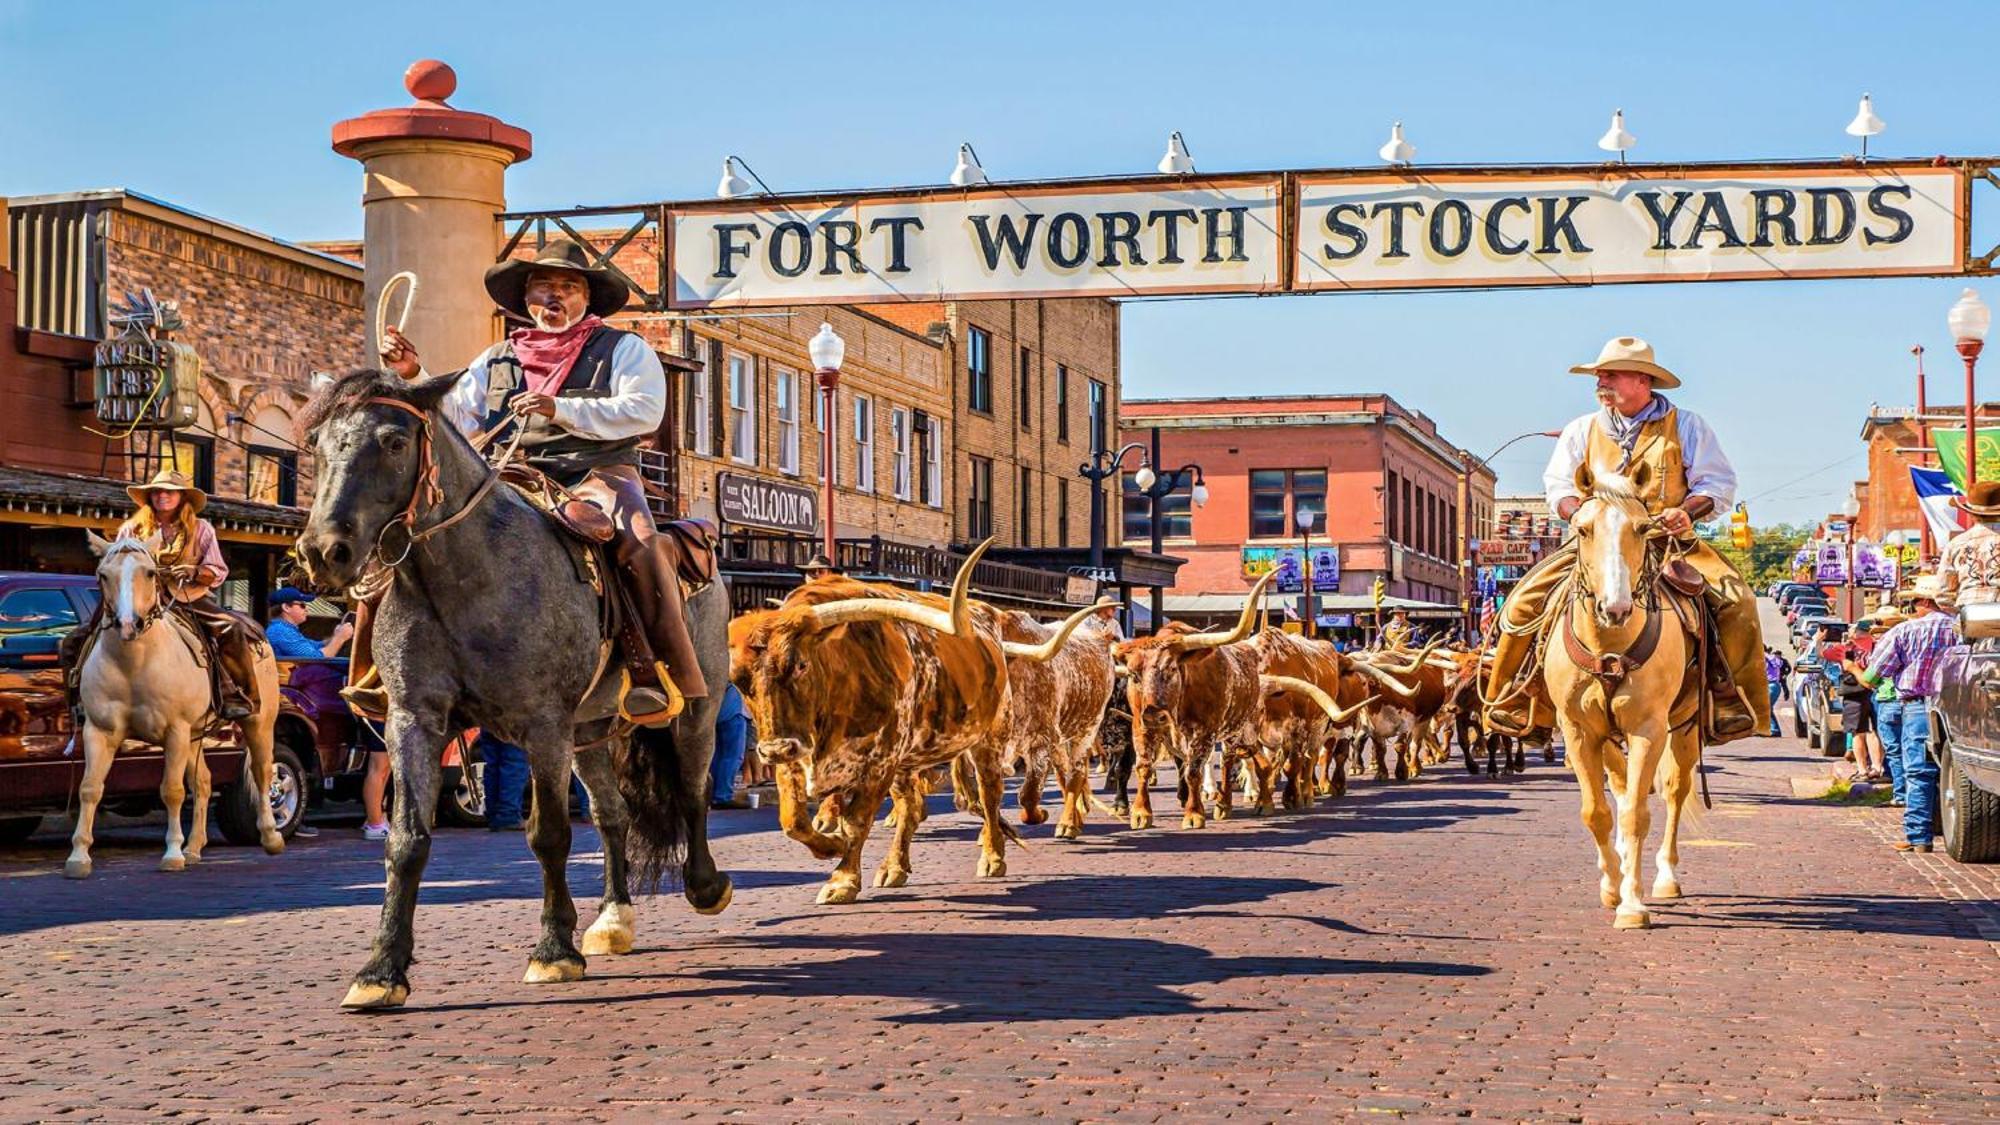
262	314
1886	501
1394	497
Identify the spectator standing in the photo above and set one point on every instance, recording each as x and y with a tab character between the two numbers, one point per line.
1912	654
732	736
288	640
1857	703
1776	668
1889	711
1970	567
506	779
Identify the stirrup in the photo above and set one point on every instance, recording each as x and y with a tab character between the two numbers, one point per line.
368	702
670	702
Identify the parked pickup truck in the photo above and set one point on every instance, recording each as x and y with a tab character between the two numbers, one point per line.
40	772
1965	739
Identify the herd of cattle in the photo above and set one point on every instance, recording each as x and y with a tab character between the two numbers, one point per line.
863	692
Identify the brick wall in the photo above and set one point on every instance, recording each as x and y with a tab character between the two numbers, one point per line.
39	431
1889	500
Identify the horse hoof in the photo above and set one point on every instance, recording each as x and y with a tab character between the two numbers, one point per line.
1141	821
192	857
612	933
892	877
838	894
1068	832
1194	820
720	904
274	844
1034	816
76	869
556	972
992	867
1224	814
374	997
1666	889
173	863
1631	920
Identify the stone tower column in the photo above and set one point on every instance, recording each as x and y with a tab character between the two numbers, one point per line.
434	177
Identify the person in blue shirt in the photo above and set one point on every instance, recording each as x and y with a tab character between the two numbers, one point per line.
732	729
288	612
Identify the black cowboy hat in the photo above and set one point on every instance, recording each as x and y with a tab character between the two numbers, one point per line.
507	282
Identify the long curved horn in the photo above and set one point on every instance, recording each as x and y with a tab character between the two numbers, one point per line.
961	586
1318	695
1253	606
1415	663
828	614
1384	678
1047	649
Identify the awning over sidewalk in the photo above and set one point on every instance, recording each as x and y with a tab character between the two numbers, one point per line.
31	496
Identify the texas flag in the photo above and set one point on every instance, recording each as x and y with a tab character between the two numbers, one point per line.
1935	494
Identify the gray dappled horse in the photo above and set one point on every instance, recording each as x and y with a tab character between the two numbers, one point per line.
487	623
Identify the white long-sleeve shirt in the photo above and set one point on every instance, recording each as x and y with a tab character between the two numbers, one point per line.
1708	470
637	402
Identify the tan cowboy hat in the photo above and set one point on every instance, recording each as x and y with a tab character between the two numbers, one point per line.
1628	353
1927	586
166	480
507	283
1889	616
1981	500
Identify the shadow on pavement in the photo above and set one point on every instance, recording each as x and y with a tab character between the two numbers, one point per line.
1907	915
997	977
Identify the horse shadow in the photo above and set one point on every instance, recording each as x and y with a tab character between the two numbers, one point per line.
998	977
1887	914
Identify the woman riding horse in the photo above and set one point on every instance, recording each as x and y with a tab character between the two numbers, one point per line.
191	560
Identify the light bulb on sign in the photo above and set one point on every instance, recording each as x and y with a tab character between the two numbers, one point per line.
731	185
1616	139
1398	150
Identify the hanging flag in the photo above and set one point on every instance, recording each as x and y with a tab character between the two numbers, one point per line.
1486	616
1935	493
1950	445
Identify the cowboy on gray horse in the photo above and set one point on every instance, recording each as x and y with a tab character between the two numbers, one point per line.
584	395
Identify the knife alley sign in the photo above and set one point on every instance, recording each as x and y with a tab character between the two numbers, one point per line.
1299	232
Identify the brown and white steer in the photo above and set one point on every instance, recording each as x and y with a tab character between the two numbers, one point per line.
1295	727
1055	709
857	688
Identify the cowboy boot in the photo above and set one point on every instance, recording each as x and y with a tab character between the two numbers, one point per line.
364	692
656	596
237	673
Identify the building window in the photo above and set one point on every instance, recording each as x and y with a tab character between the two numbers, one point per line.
979	370
1176	512
1409	525
933	438
742	409
194	458
979	500
697	404
899	425
1277	495
1099	416
274	476
785	388
864	444
1024	511
1024	399
1062	511
1390	526
1062	403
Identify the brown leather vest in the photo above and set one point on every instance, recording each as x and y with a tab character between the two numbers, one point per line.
1659	447
565	456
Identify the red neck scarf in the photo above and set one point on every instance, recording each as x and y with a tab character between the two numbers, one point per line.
546	357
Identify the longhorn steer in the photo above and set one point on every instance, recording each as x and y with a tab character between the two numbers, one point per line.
1297	729
855	689
1055	709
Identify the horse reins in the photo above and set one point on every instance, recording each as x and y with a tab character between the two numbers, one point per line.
427	493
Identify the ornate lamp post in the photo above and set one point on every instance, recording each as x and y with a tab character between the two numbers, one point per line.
1157	487
1969	319
1103	464
1304	518
1465	548
827	350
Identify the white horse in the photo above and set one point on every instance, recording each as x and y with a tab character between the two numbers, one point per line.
141	681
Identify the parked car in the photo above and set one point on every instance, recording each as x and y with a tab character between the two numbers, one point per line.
1816	707
339	743
1807	607
1796	590
1965	739
40	771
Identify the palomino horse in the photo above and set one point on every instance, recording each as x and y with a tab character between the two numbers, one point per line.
1616	662
142	681
487	621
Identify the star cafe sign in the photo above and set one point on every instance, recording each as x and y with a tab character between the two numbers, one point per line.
1305	232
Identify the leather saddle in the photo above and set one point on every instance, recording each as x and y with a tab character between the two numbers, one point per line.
694	550
581	519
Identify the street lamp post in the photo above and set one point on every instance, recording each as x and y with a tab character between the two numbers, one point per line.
1969	320
1103	464
1923	442
1157	487
827	350
1304	518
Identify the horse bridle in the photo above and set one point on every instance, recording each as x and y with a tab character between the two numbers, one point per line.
162	601
427	493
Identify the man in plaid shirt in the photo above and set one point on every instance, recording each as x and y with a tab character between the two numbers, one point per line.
1912	654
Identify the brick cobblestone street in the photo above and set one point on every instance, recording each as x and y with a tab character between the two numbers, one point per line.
1430	949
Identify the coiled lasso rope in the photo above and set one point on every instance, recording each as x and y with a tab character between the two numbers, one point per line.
409	280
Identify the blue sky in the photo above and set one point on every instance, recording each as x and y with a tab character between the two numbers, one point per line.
225	108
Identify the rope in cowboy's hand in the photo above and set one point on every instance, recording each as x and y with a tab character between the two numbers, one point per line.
406	278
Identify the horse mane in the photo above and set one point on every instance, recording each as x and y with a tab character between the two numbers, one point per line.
360	384
1614	486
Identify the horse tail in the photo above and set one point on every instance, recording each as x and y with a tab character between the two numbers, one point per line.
658	796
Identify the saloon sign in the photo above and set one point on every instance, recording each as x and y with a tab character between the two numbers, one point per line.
1304	232
770	504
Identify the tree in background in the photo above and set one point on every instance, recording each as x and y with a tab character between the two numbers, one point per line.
1769	558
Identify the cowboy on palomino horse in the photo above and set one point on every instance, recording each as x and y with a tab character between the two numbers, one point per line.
584	395
1687	479
191	559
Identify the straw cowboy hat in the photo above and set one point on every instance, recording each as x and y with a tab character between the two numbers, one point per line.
166	480
1982	500
507	282
1628	353
1928	587
1888	617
